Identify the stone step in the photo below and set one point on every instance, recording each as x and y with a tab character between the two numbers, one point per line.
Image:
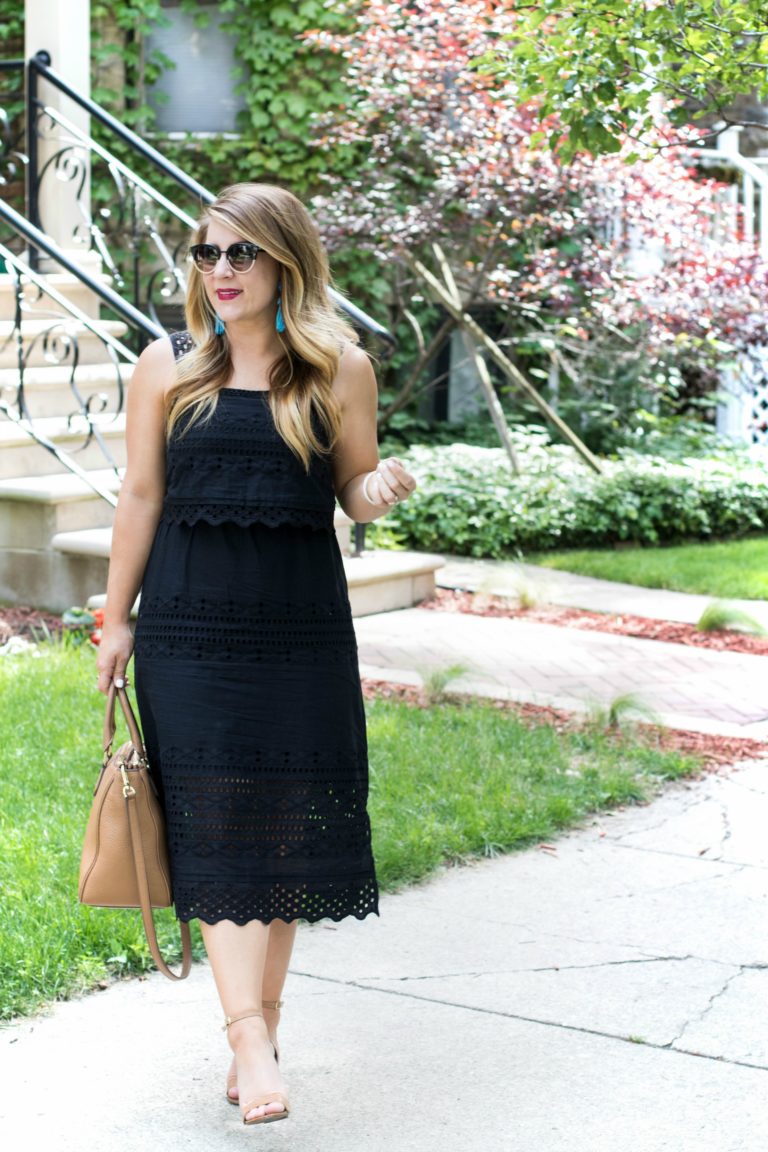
97	541
48	390
34	508
378	581
75	291
20	455
54	341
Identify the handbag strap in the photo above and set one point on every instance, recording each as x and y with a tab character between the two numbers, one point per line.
118	692
146	906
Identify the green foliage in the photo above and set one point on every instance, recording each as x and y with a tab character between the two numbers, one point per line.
285	84
11	22
436	681
599	66
134	19
469	503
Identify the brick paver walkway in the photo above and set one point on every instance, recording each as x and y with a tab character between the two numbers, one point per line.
691	688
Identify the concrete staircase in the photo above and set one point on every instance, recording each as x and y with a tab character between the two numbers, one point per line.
55	532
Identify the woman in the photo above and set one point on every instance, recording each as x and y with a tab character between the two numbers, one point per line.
241	435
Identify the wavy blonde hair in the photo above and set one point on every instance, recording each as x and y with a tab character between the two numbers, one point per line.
300	380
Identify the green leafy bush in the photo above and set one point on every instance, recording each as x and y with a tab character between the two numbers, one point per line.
469	503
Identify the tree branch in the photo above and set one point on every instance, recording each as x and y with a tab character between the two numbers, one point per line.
466	321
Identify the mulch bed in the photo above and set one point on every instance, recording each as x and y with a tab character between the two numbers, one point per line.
671	632
25	622
712	750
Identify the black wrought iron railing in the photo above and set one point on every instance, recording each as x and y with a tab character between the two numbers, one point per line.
57	341
139	234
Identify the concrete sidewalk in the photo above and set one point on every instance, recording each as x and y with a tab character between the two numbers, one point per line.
568	589
609	994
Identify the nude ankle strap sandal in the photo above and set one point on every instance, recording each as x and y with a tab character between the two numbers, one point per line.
270	1097
275	1005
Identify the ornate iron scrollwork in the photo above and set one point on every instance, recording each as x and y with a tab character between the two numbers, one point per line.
137	233
51	335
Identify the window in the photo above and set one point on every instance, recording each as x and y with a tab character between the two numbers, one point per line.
199	91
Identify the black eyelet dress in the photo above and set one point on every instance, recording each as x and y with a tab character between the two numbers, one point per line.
247	679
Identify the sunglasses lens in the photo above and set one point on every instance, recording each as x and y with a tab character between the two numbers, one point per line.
242	256
205	256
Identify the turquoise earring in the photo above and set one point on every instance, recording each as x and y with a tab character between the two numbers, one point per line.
218	328
279	319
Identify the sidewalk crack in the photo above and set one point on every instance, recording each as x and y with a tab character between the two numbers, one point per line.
732	869
711	1002
736	864
580	1029
542	968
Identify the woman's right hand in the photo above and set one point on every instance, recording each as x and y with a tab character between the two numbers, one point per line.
115	650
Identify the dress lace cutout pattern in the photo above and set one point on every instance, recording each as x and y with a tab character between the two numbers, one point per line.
225	632
264	813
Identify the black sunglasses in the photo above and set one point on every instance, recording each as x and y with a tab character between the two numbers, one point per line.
240	257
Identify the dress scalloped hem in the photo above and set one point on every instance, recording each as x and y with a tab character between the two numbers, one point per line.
337	901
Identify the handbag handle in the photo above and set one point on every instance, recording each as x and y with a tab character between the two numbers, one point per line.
117	691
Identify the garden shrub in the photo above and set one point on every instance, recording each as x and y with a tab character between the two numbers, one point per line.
468	502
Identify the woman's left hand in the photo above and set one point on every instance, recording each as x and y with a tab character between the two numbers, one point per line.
390	483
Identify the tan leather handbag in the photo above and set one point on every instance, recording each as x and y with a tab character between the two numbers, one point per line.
125	855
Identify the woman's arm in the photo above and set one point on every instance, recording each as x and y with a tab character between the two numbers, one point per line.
139	505
357	469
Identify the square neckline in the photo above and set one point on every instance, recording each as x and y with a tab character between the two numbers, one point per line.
245	391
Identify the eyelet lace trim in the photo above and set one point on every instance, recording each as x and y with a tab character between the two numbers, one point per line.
265	632
245	514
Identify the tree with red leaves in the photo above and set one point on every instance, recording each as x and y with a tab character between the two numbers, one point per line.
596	271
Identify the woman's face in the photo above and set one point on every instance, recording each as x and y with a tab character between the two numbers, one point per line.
241	297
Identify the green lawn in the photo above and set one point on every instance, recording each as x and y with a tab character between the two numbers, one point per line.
729	570
447	783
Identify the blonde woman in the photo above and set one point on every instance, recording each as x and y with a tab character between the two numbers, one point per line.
242	433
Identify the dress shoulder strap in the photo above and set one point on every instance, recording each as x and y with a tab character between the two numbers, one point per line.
181	342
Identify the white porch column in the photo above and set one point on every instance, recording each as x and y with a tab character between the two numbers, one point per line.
63	30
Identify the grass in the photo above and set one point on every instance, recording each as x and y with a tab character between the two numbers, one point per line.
448	783
730	569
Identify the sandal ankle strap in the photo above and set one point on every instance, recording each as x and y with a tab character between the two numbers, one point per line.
245	1016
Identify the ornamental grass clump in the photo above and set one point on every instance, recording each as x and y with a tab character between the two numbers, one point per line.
722	617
